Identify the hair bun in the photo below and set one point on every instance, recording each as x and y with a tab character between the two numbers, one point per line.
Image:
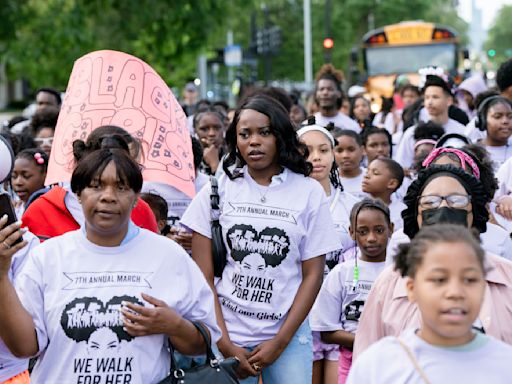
114	142
79	149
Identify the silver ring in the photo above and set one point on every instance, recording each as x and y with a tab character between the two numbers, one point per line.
7	246
256	367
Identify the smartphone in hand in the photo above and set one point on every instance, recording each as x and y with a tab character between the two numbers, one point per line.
6	208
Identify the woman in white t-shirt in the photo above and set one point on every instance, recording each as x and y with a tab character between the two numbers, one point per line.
444	268
495	117
320	144
86	301
349	154
277	228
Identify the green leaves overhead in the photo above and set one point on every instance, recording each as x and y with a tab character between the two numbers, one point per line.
499	38
40	40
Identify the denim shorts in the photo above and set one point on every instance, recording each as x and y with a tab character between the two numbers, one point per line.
294	366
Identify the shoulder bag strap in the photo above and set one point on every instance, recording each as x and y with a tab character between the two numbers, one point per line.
415	363
207	341
218	249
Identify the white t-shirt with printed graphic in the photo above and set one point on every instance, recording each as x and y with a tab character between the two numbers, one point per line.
9	365
266	244
482	360
340	205
340	304
73	289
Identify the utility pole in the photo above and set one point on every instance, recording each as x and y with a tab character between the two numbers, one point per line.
327	21
308	61
266	56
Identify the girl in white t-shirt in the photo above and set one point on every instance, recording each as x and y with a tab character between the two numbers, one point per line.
444	266
277	228
341	300
495	117
349	155
320	144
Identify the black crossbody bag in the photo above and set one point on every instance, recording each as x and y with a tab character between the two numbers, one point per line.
213	371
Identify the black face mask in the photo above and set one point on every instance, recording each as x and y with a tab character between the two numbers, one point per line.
445	215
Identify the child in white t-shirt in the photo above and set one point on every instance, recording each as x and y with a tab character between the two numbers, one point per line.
495	118
445	268
320	144
383	177
349	154
341	300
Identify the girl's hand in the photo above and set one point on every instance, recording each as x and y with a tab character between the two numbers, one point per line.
266	353
143	321
183	238
211	156
245	369
504	207
8	236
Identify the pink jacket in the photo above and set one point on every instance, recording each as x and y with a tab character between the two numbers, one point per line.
388	312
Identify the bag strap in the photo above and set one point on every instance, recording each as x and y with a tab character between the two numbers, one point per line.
218	248
207	341
214	196
415	363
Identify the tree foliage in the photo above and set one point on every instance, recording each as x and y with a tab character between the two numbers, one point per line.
40	40
49	36
499	37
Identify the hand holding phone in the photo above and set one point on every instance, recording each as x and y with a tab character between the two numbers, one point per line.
6	208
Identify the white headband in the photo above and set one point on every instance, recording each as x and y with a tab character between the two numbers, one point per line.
319	128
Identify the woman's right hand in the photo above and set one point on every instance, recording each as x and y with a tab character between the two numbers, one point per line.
8	236
244	368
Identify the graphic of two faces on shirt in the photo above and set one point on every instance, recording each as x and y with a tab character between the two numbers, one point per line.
100	325
259	254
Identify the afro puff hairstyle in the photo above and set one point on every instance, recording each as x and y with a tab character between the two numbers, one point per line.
479	197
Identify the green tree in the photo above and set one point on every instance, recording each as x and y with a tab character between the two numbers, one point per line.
499	37
349	22
54	33
40	40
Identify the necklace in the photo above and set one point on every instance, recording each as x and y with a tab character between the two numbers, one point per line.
263	197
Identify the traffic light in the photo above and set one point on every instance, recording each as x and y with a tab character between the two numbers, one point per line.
491	52
328	43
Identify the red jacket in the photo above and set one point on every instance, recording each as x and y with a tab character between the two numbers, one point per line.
48	216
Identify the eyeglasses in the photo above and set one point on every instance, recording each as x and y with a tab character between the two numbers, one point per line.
43	141
453	201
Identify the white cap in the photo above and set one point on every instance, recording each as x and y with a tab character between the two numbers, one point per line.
355	90
6	159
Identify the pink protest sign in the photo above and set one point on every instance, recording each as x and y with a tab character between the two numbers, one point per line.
114	88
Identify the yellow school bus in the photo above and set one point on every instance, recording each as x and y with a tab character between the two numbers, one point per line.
402	49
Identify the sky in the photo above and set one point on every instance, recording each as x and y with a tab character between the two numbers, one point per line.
490	9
